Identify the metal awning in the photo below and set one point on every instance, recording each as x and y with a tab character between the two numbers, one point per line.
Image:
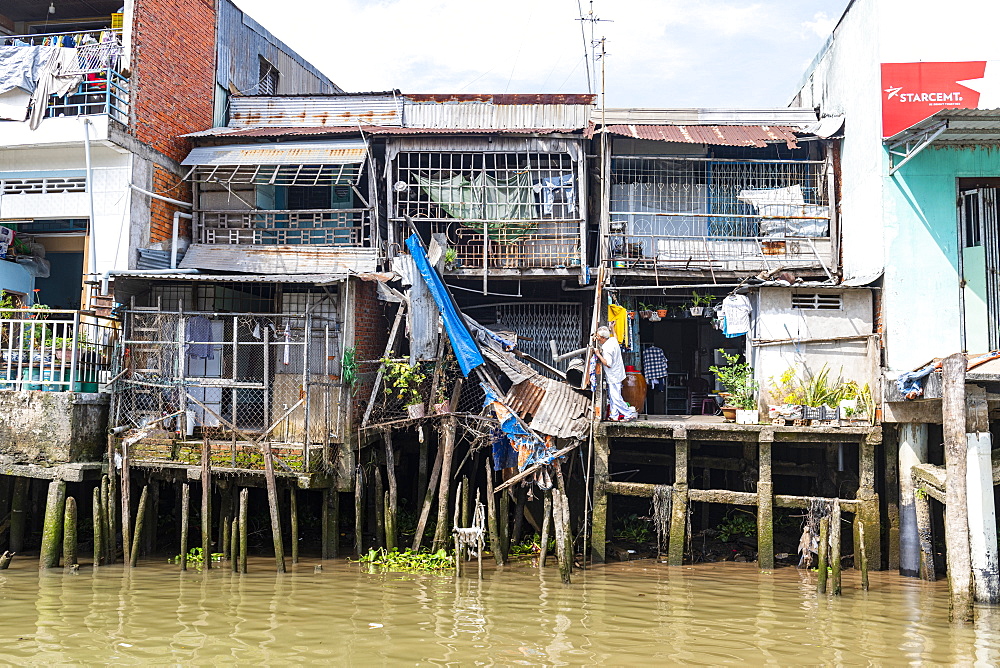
948	127
334	162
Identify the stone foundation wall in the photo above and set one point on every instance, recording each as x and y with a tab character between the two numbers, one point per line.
52	427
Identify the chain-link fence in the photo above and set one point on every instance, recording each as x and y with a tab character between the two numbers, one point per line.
235	379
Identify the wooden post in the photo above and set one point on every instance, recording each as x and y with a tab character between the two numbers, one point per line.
466	522
379	505
5	485
244	497
293	511
140	523
956	499
441	531
272	503
108	519
425	509
330	534
835	547
5	560
765	503
503	524
18	504
979	491
925	534
185	522
391	507
546	528
69	533
206	503
678	514
98	528
52	529
109	505
126	505
149	538
234	547
890	452
522	496
863	550
359	510
567	531
422	470
491	515
225	514
824	548
561	524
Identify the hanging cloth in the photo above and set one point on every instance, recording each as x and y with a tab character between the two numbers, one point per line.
618	319
736	314
508	204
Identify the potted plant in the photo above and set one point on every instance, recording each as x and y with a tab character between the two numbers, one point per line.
451	260
645	310
700	302
662	311
403	382
737	378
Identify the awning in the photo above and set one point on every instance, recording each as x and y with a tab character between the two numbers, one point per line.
948	127
757	136
286	164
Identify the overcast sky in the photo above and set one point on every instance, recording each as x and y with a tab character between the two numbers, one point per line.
660	53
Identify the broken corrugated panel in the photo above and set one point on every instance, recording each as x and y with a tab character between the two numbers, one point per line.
717	135
551	407
280	259
422	314
525	397
345	111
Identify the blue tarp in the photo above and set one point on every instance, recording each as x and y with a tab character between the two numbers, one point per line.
462	343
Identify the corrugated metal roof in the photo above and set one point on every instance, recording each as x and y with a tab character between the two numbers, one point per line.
961	126
708	116
333	152
716	135
318	111
555	408
492	116
318	279
505	98
371	130
280	259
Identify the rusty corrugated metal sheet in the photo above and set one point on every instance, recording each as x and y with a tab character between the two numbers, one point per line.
505	98
783	116
280	259
317	111
717	135
371	130
555	408
492	116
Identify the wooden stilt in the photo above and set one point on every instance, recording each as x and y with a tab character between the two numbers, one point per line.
98	528
464	501
140	523
272	503
503	523
293	510
560	524
391	506
149	537
52	528
863	550
546	528
126	505
331	523
379	505
522	497
111	498
69	533
234	548
956	533
491	516
18	506
206	503
185	522
835	548
359	511
244	501
567	532
108	519
449	425
431	490
824	549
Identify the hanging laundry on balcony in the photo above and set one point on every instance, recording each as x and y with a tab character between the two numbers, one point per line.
508	205
550	187
20	68
736	312
60	76
786	214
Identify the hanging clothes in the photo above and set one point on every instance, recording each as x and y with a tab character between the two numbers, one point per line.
618	319
654	363
198	333
736	315
287	355
548	188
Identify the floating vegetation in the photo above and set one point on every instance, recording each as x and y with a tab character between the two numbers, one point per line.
407	561
196	556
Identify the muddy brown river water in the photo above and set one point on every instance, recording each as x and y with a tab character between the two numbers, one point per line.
641	612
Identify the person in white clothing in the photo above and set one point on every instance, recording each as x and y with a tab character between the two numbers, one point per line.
610	354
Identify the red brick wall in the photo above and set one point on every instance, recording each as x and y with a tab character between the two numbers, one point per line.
173	72
371	331
161	214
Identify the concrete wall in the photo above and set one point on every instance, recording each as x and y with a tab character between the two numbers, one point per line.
52	427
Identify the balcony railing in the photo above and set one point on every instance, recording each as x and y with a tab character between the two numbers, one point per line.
55	351
513	244
104	89
316	227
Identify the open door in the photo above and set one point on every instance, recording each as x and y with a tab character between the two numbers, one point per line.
980	246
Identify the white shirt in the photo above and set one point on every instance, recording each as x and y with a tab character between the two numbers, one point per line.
612	353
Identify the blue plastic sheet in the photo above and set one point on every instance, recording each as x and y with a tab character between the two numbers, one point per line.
462	343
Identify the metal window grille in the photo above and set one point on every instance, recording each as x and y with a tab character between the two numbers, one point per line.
268	82
331	227
817	301
526	203
562	323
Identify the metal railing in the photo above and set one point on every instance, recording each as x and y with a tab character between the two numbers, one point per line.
317	227
546	243
104	89
717	252
55	351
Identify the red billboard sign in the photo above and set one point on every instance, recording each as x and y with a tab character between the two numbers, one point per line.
913	91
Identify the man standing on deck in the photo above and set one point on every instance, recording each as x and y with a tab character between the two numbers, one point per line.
610	354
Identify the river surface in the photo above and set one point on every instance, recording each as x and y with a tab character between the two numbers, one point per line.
636	613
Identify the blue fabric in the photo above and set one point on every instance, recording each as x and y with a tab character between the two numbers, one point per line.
911	383
462	343
504	455
199	331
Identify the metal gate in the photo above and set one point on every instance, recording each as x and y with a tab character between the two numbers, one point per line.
544	322
979	226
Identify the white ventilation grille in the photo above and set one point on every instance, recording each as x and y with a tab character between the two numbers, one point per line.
44	186
817	301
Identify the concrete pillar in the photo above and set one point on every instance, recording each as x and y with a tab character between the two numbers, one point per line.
912	451
678	514
982	519
868	512
765	504
599	533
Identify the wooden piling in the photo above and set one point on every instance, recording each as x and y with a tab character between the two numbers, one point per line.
425	509
925	533
18	505
392	503
293	511
140	523
957	516
379	506
863	552
824	548
52	528
206	503
244	499
126	504
422	470
503	523
331	524
599	522
765	503
69	533
359	511
272	503
466	518
225	515
234	547
185	522
546	528
109	505
560	524
679	503
441	531
835	548
491	516
566	531
522	497
98	528
153	507
107	517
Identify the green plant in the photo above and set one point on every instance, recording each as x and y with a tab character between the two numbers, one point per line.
196	556
635	530
450	255
702	299
737	524
403	380
349	369
737	378
643	306
407	561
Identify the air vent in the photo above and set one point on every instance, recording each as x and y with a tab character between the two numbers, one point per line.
44	186
817	301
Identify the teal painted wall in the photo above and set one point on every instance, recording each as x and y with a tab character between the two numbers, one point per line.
921	304
16	278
